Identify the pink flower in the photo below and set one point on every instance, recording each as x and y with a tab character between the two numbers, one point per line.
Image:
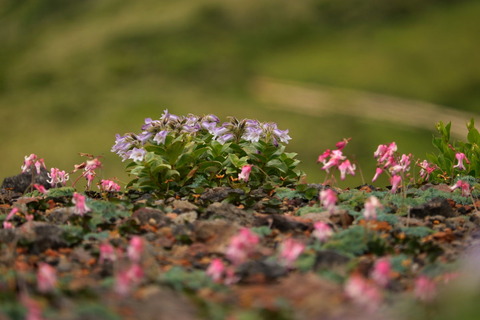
322	231
403	164
460	157
40	188
363	292
80	206
109	185
395	181
34	309
57	176
245	174
323	157
335	157
426	169
328	199
381	272
107	252
12	213
464	186
425	289
346	167
241	246
290	250
340	145
46	277
216	270
31	161
384	153
372	204
8	225
378	171
125	280
135	249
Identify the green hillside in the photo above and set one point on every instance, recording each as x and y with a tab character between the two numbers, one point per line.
74	73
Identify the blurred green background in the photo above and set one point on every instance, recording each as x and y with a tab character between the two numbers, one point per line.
74	73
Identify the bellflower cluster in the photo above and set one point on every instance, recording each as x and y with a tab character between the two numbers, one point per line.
221	273
336	159
463	186
372	204
80	206
322	231
46	277
32	161
181	153
89	166
389	162
381	272
425	288
57	177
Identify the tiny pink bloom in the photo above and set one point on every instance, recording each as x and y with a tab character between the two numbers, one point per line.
372	204
426	169
80	206
28	162
34	309
425	288
340	145
57	176
346	167
8	225
464	186
241	246
334	161
125	280
322	231
46	277
93	164
40	188
290	250
395	181
135	249
323	157
107	252
245	174
363	292
378	171
381	272
109	185
39	164
216	270
328	199
12	213
460	157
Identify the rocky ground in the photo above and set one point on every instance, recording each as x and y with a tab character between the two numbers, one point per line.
424	233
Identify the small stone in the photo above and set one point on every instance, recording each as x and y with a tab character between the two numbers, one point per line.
187	217
183	206
436	206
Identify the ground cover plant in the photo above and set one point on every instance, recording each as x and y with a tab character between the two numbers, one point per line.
216	223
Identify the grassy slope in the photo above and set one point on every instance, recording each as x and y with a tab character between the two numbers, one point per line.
71	83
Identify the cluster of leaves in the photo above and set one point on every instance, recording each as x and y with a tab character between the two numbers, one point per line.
184	154
445	160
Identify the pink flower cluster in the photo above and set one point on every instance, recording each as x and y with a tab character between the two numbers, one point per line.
426	169
57	176
336	159
79	201
132	275
328	199
109	186
89	168
221	273
372	204
322	231
46	277
290	250
32	161
242	246
462	185
395	166
367	292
